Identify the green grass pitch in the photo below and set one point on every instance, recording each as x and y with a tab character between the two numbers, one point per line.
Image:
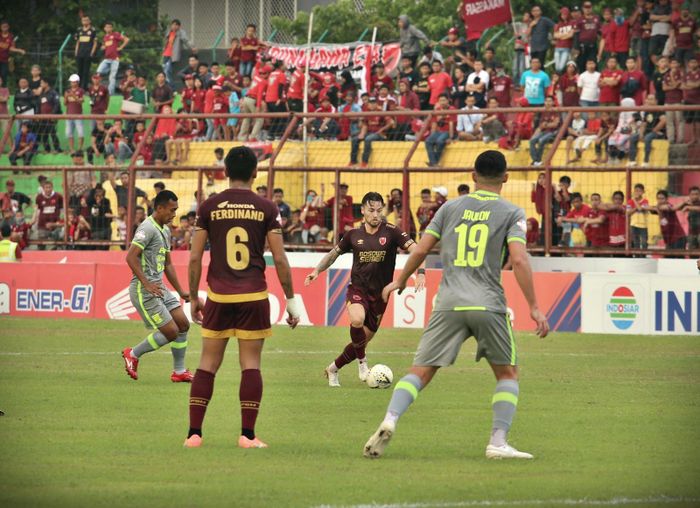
610	419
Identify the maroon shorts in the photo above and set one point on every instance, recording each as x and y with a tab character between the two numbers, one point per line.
244	320
374	306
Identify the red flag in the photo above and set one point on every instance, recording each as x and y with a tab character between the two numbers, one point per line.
478	15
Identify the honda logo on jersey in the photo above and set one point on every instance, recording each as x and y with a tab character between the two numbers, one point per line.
382	240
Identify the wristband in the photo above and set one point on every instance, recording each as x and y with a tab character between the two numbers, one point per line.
421	271
292	307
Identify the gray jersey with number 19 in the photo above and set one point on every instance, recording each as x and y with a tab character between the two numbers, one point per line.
474	232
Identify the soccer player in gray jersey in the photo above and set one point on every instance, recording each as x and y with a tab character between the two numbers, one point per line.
476	232
149	258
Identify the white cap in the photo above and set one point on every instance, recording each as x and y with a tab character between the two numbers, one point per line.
441	190
74	77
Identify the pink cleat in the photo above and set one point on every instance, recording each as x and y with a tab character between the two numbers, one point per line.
183	377
244	442
194	441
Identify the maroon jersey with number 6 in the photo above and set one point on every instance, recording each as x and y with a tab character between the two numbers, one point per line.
237	221
374	256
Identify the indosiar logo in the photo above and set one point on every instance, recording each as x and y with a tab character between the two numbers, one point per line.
623	308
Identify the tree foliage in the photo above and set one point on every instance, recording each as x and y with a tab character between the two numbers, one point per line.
42	26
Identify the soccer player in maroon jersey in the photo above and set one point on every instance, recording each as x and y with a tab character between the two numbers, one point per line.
373	247
236	223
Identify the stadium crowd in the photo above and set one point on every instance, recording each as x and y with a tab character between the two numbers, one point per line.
645	57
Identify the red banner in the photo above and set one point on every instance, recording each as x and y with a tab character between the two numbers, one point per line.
339	56
478	15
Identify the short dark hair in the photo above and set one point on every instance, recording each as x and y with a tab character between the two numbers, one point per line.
565	179
6	230
183	217
619	193
694	188
639	186
163	198
400	191
214	63
159	185
240	163
251	25
490	164
140	208
191	214
425	191
372	196
576	195
463	187
219	151
663	192
277	190
596	194
176	21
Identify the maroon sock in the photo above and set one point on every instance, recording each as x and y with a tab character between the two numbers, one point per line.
250	394
200	394
359	341
347	356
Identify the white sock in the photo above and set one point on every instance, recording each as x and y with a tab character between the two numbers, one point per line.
391	416
332	367
498	437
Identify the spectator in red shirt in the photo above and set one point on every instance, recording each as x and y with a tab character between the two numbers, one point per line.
198	96
595	224
576	216
616	217
439	83
673	95
250	44
7	46
113	44
502	87
235	53
373	128
380	77
606	48
73	98
684	28
312	217
568	86
610	83
621	43
442	130
546	131
588	28
633	82
521	127
564	32
408	101
671	229
539	193
346	219
276	98
47	214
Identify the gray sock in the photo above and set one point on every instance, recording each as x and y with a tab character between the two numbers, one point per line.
151	343
405	393
178	347
504	402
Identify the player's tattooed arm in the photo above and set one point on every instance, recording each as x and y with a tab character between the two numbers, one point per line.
323	265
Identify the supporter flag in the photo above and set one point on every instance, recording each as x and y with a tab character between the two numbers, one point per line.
478	15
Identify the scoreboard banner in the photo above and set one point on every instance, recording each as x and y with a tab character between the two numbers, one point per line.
65	284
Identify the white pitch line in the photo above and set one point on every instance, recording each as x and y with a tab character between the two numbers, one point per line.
616	501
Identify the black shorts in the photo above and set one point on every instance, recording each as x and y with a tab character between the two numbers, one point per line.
691	116
374	306
244	320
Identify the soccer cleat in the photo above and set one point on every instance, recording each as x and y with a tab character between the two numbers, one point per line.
194	441
244	442
332	378
182	377
131	364
363	370
379	440
505	452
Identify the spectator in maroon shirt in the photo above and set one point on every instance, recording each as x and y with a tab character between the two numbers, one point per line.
99	96
501	87
49	104
408	101
7	46
633	82
610	83
691	95
234	53
684	28
673	95
113	43
671	229
250	44
73	98
564	32
588	28
606	48
568	86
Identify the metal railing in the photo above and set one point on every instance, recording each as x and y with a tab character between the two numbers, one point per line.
404	168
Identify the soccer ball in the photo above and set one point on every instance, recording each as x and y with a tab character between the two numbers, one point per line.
380	376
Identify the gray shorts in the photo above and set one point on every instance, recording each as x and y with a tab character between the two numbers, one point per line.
447	330
154	311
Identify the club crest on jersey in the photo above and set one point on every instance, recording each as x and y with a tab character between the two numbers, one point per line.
382	240
356	297
360	241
